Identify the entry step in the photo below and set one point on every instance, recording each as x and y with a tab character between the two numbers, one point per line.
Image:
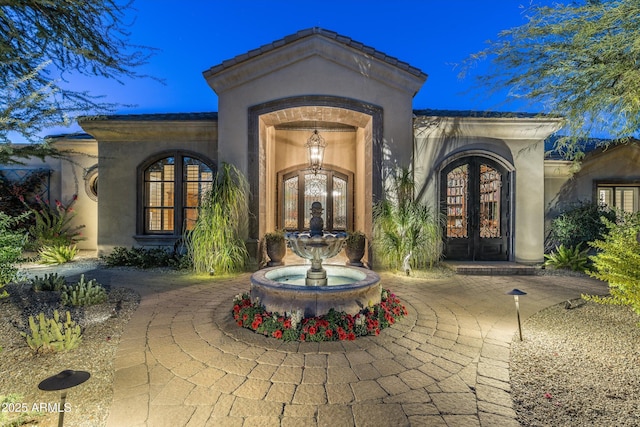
494	268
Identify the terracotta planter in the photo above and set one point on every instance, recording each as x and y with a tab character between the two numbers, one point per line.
354	250
276	250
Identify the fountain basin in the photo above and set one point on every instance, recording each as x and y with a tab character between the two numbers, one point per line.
283	290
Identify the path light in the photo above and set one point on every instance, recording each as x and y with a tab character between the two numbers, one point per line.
63	381
516	293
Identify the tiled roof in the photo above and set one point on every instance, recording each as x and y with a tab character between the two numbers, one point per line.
153	117
480	114
586	146
347	41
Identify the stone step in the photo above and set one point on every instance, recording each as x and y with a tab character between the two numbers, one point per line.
495	268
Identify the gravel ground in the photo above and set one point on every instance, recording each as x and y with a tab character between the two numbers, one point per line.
21	370
578	367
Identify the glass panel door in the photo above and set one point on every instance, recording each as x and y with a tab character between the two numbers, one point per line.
490	186
457	215
299	189
475	203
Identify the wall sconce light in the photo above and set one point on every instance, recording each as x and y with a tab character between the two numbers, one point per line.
315	151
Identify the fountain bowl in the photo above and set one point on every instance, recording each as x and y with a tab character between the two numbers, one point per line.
283	290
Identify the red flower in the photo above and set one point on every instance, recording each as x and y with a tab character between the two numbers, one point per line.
328	333
312	330
239	322
245	316
287	324
236	308
277	334
302	337
254	325
351	336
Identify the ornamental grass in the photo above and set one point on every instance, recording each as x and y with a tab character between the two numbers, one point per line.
333	326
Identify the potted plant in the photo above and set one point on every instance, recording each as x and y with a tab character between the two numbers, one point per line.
354	246
276	247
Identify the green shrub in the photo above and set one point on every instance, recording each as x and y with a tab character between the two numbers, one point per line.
618	262
404	228
53	335
574	258
49	282
579	223
53	225
83	293
58	254
143	258
11	244
216	242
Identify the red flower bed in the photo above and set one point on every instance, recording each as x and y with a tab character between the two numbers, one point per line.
334	326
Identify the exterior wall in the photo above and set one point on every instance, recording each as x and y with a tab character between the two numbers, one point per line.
618	164
515	142
313	68
123	146
68	179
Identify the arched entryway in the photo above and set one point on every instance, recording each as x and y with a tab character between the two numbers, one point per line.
278	131
476	201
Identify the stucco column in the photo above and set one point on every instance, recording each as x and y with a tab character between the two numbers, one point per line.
529	201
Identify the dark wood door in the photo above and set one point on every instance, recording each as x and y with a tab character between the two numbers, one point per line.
475	193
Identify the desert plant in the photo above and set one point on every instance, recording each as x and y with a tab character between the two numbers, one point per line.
49	282
53	335
53	225
579	223
618	262
83	293
568	258
11	244
15	412
216	242
57	254
15	192
405	230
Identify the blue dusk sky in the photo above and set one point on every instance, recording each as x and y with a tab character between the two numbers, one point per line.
194	35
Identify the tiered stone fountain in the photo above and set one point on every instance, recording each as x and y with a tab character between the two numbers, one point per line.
313	291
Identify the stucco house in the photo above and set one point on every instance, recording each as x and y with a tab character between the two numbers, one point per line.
486	172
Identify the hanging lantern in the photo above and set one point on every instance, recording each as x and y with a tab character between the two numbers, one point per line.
315	151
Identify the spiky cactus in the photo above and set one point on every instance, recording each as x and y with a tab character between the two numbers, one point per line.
83	293
49	282
53	335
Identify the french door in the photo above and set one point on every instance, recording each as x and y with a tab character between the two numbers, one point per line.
475	200
297	190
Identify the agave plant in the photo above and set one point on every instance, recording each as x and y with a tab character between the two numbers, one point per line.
57	254
216	242
569	258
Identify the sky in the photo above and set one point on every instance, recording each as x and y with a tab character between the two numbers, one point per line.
193	35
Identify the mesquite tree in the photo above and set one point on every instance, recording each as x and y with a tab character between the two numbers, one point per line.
580	60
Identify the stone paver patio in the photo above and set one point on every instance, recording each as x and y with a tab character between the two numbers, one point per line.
182	361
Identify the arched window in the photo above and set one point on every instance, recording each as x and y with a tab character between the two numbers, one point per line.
172	187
